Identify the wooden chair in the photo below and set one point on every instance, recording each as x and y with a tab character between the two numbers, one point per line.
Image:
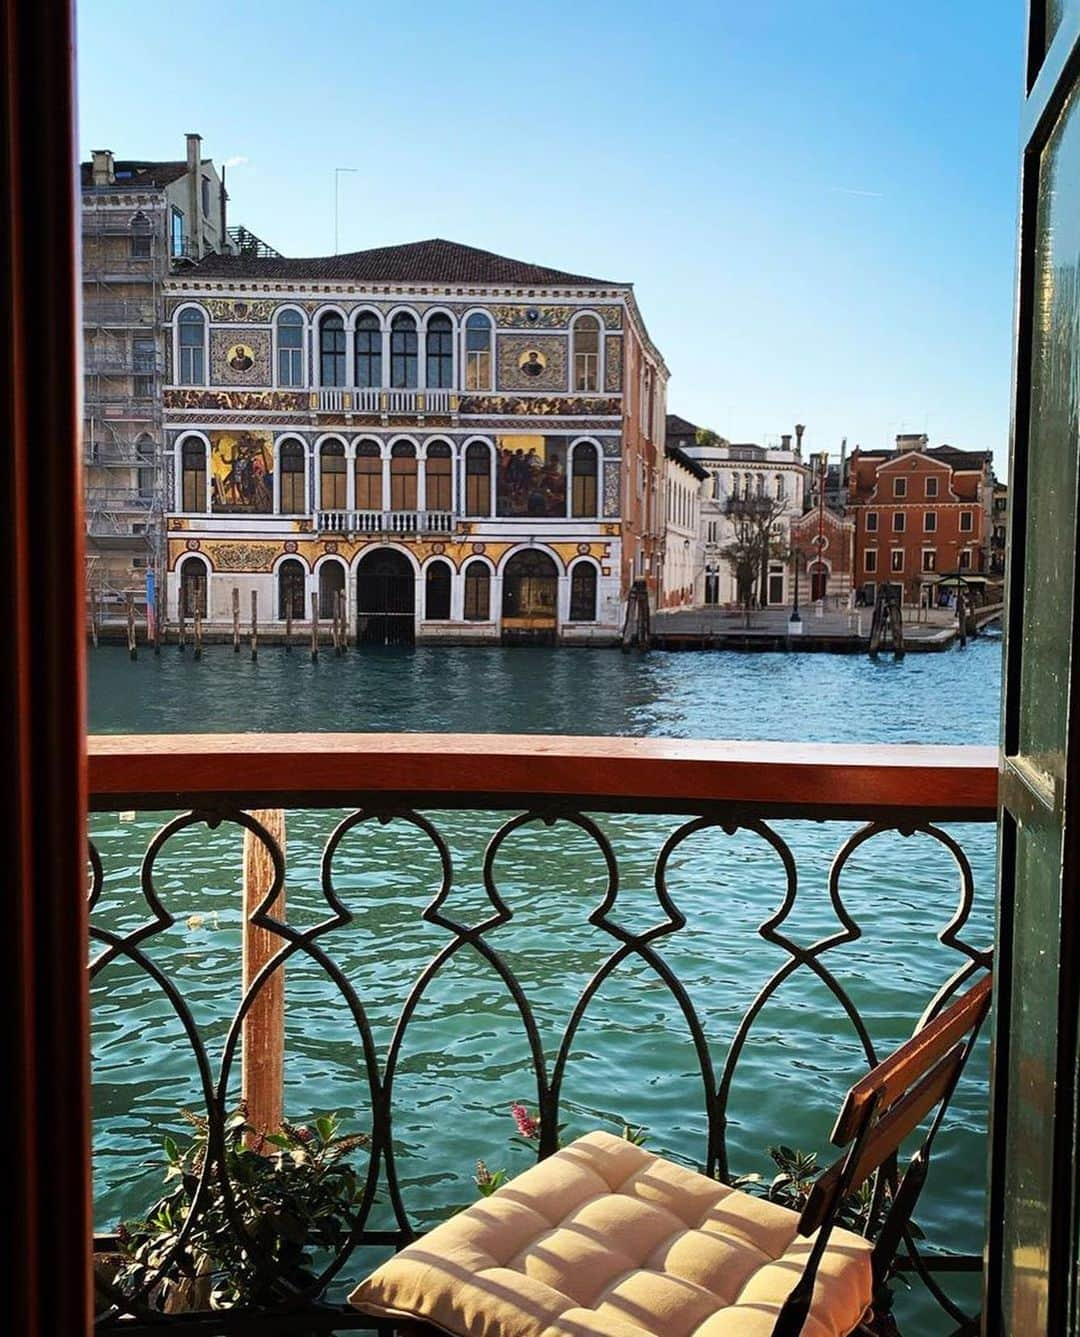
604	1239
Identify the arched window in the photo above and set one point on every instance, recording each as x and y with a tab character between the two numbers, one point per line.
290	349
332	478
477	592
478	352
142	237
291	498
331	587
402	477
437	592
193	584
438	480
368	476
192	342
193	474
779	487
440	353
368	352
478	479
331	350
587	353
583	492
290	578
403	347
583	592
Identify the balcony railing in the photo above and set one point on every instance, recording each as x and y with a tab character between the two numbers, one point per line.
392	403
674	924
384	522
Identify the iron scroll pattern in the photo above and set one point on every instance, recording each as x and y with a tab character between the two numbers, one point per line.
135	1314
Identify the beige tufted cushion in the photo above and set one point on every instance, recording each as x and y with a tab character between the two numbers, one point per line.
604	1239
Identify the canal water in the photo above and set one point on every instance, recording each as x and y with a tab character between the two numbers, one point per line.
465	1057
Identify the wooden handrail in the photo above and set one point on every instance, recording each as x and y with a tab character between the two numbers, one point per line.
826	780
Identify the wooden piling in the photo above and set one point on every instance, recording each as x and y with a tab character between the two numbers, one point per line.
157	625
254	624
93	618
288	621
263	1039
314	627
131	641
343	621
197	631
180	623
236	620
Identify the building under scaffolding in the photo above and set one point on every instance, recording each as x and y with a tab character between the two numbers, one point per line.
139	220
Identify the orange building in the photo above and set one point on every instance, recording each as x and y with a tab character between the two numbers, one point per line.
919	512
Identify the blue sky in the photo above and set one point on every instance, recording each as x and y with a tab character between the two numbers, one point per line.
815	199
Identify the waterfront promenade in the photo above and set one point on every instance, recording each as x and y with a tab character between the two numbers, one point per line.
839	632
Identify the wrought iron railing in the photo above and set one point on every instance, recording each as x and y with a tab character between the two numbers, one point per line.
671	793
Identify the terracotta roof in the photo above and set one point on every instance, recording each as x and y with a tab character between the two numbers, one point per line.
138	175
959	459
434	261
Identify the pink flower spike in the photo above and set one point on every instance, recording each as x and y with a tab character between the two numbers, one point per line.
526	1124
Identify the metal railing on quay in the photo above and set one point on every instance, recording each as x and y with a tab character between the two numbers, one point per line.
561	787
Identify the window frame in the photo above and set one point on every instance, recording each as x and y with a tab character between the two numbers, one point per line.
437	565
192	360
896	568
589	490
585	363
284	452
870	561
871	522
477	573
473	450
372	355
441	359
194	441
442	479
372	473
478	361
404	363
899	487
296	354
336	357
333	448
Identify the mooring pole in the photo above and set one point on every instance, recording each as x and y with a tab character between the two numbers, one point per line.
197	631
344	621
314	627
236	620
93	618
180	621
132	644
254	624
262	1081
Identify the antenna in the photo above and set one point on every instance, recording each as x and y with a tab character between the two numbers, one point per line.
337	179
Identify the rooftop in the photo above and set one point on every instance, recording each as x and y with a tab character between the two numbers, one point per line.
137	174
432	261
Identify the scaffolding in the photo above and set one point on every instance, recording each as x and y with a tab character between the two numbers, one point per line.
125	262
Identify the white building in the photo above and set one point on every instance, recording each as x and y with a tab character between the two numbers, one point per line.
742	472
681	559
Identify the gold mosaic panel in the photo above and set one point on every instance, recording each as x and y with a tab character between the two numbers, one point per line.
239	356
515	349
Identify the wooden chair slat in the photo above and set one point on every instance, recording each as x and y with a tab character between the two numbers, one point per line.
908	1063
905	1115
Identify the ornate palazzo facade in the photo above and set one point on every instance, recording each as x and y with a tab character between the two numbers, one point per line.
443	443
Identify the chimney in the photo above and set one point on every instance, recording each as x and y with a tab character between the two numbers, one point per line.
799	429
906	441
194	175
104	167
785	441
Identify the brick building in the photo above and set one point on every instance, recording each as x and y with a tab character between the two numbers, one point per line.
823	539
919	511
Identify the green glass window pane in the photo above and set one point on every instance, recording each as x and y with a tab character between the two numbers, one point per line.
1051	468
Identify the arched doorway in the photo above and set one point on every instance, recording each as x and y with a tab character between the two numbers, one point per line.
291	590
331	586
530	598
819	581
385	599
193	588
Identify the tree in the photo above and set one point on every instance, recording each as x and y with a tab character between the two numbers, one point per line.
754	542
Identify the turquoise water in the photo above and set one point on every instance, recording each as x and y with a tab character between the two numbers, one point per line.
465	1057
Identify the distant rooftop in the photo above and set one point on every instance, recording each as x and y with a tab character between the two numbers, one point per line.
433	261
